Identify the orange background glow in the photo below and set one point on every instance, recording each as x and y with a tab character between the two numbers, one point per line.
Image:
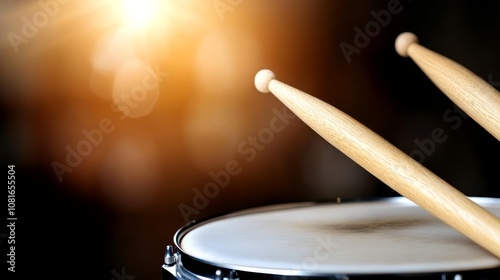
118	112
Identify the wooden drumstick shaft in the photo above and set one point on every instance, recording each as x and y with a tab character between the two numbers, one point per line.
389	164
472	94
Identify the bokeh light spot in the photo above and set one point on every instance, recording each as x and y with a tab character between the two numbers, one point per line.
136	89
113	50
138	14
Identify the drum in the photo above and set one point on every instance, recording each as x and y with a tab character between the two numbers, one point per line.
381	239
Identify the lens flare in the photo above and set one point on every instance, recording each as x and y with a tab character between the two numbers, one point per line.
138	14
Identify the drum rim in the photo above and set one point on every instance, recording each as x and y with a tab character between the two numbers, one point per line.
180	233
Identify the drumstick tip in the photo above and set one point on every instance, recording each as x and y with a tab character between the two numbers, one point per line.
404	41
262	80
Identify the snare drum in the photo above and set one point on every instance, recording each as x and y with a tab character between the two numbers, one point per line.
382	239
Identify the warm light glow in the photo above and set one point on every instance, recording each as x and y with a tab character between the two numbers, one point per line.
136	89
138	14
227	56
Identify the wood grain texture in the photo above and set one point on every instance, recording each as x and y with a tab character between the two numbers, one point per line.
393	167
472	94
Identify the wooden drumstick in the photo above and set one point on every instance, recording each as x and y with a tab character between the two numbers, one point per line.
389	164
472	94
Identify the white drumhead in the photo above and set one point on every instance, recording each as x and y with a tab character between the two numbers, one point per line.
386	236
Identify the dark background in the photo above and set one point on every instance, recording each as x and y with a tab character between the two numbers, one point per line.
116	212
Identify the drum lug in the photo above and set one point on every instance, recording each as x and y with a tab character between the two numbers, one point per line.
169	266
170	258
